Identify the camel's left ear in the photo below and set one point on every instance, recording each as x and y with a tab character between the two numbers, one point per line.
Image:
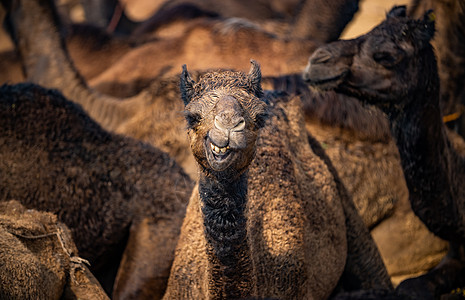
429	24
186	85
255	79
425	28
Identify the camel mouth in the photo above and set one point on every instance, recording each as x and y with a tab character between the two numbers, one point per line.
326	83
219	158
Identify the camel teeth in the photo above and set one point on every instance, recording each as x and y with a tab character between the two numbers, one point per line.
218	150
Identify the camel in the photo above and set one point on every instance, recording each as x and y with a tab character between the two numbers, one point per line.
374	179
238	38
449	43
358	141
308	19
284	228
393	67
39	259
123	200
290	19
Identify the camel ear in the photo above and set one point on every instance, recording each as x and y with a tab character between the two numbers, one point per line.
422	31
428	25
397	11
186	85
255	79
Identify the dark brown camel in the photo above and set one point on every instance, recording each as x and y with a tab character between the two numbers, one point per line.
283	228
124	201
449	43
394	68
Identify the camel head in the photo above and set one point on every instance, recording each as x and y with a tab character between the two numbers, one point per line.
224	111
392	62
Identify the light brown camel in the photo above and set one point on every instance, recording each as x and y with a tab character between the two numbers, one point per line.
357	139
283	228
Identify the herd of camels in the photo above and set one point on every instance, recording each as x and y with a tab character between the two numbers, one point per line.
232	150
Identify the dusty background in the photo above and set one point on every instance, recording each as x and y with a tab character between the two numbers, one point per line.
371	13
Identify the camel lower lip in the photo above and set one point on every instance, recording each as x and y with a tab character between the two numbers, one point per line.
327	80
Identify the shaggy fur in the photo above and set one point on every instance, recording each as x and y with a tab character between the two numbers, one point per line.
394	51
293	234
115	194
308	19
357	139
38	258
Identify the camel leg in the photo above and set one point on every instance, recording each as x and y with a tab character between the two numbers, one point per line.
147	259
445	277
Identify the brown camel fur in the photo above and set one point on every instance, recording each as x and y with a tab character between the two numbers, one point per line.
124	201
283	229
38	258
309	19
378	69
357	139
204	45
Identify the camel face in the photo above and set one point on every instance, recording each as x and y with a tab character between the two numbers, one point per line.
380	67
223	121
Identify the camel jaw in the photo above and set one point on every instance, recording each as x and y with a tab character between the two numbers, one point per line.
219	158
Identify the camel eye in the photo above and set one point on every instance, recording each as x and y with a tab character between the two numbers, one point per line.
192	118
385	58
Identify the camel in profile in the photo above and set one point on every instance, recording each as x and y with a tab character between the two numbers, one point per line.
394	68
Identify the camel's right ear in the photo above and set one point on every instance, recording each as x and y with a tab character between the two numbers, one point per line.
187	86
255	78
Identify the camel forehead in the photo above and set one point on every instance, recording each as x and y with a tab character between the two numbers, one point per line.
395	30
221	79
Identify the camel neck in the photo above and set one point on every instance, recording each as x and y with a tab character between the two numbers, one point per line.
223	208
427	160
36	28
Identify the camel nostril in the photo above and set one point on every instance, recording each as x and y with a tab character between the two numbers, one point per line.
240	125
231	124
320	56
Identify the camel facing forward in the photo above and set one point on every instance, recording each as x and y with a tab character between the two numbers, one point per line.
268	217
